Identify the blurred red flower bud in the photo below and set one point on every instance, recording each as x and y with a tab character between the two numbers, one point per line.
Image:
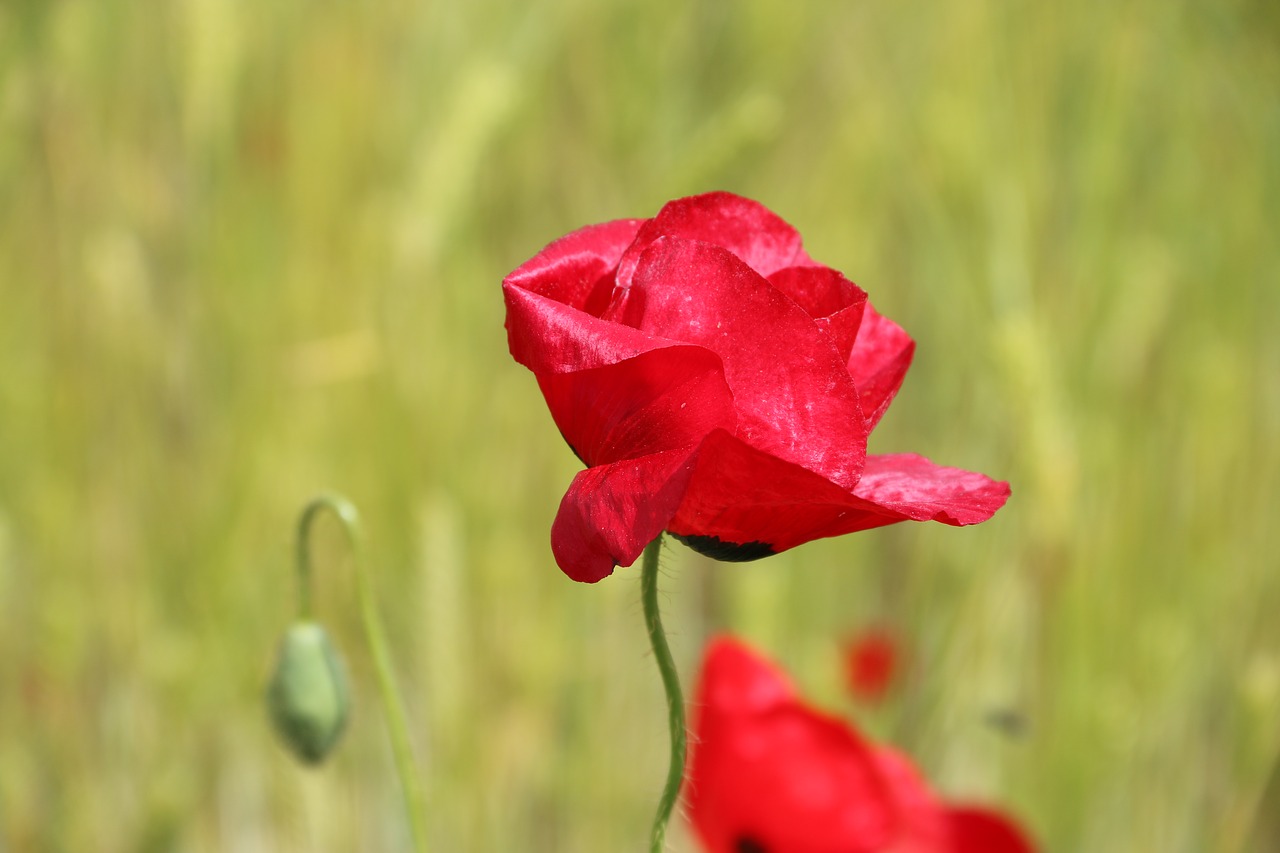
872	661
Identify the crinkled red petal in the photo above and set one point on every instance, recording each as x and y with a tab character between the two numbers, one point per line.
835	303
878	363
915	488
547	336
610	512
569	269
740	495
980	830
748	229
793	394
664	399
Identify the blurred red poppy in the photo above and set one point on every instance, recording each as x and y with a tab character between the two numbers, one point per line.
768	774
719	384
872	659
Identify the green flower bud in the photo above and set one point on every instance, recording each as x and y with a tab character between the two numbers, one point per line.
308	696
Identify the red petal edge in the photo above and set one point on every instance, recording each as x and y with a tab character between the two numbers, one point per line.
664	399
748	229
610	512
739	494
915	488
878	363
570	268
547	336
980	830
835	303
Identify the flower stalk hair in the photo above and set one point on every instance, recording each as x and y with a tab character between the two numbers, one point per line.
308	697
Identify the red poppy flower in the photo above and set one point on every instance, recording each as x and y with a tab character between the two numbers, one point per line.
719	384
872	659
768	774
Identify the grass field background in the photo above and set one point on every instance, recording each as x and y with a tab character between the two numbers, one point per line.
250	251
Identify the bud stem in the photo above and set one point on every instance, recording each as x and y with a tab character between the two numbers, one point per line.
675	699
393	706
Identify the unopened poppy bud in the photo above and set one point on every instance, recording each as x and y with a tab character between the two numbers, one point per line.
308	696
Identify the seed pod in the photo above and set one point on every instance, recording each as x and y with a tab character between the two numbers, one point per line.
308	697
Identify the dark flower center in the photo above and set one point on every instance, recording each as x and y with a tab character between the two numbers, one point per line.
729	552
747	844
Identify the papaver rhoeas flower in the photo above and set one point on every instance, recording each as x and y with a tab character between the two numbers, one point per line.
872	659
768	774
719	384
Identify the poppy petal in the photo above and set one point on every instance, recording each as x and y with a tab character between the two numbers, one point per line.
570	268
748	229
736	681
921	816
794	396
611	512
912	487
664	399
547	336
878	363
768	773
980	830
835	303
742	496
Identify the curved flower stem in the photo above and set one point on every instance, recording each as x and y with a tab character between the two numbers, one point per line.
675	699
397	726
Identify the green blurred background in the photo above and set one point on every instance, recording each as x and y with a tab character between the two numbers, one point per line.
249	251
